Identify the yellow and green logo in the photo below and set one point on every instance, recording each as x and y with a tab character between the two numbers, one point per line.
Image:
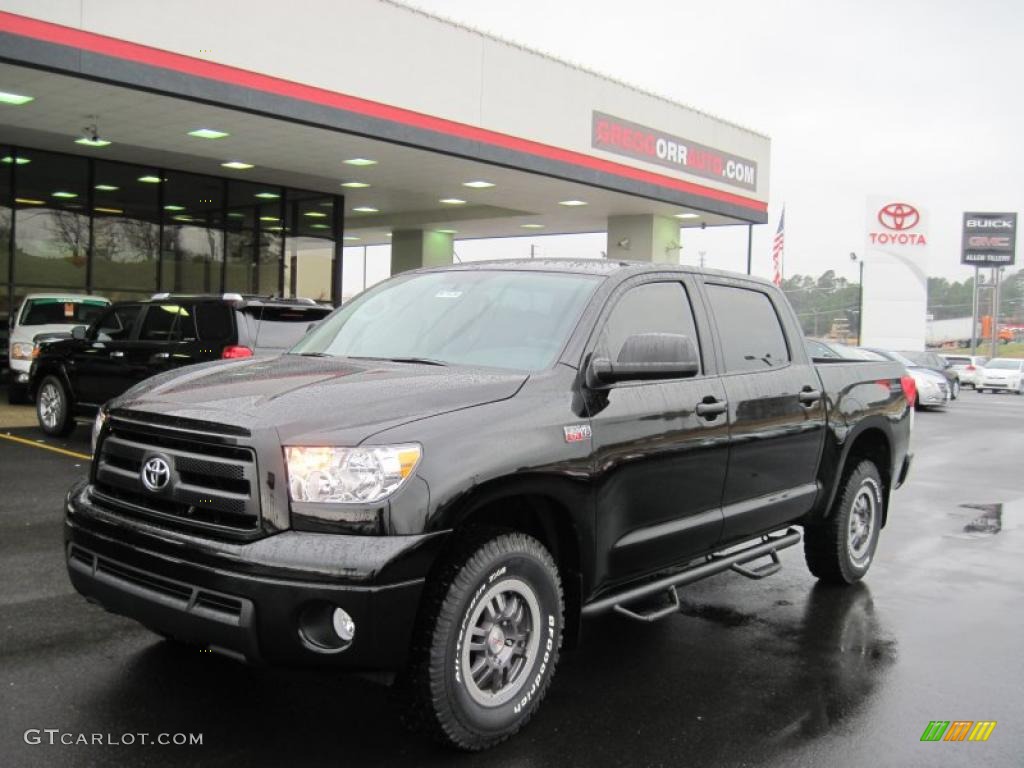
958	730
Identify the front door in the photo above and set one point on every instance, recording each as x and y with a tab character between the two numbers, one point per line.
659	464
98	364
777	411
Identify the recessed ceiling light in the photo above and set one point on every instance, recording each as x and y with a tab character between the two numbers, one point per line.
360	161
66	195
366	209
320	226
149	179
237	165
571	203
92	141
267	195
387	234
448	231
236	215
16	160
686	215
275	229
315	214
351	237
355	184
269	218
532	226
182	218
29	201
106	188
451	201
107	210
15	98
208	133
478	184
174	207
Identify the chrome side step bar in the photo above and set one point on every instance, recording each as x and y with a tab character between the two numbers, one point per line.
713	564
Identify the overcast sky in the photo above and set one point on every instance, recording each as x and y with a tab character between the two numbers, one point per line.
920	101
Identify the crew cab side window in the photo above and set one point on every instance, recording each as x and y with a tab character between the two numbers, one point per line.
749	329
169	322
649	308
116	323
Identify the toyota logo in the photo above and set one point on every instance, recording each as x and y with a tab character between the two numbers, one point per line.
899	216
156	474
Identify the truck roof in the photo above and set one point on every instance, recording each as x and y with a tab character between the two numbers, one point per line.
600	267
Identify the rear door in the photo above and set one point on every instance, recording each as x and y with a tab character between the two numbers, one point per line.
776	409
659	465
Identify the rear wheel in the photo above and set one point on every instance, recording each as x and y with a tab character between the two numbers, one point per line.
487	644
956	389
840	549
53	408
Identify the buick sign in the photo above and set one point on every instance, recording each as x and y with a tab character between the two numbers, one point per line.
989	239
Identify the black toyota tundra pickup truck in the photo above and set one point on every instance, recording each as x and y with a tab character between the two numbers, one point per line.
445	476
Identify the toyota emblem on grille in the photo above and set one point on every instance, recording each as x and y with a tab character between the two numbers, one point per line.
156	474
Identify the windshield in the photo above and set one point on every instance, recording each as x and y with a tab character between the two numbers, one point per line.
1005	365
517	320
61	311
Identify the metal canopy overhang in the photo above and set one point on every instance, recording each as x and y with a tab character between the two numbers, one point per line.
145	101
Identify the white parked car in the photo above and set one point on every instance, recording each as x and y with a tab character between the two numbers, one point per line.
44	313
967	367
1004	374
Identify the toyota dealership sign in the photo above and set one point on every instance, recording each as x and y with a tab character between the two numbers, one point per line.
989	240
896	242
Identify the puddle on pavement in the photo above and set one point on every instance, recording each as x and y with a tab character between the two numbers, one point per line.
989	519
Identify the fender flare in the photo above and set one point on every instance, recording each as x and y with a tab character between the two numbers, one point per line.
878	423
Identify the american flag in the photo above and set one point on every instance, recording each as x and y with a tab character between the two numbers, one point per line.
778	246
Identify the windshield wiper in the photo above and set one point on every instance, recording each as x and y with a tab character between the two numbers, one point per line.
414	360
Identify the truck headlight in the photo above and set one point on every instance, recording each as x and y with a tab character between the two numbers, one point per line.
97	427
22	350
349	475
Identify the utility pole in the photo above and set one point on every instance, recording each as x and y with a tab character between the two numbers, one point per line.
750	248
995	311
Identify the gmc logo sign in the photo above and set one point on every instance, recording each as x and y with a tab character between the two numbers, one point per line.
988	241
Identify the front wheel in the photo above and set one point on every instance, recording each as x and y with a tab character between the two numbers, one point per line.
53	408
488	642
956	390
840	549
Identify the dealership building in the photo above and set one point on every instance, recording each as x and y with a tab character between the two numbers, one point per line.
213	147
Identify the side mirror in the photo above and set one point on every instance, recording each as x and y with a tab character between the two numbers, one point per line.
647	357
79	332
310	327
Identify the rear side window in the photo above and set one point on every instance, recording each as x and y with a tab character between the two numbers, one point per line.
280	327
169	322
749	329
650	308
213	321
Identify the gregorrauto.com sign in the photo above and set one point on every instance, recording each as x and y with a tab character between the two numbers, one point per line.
989	240
613	134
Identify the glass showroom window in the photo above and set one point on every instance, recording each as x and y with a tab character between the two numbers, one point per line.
51	220
126	230
193	240
309	250
254	222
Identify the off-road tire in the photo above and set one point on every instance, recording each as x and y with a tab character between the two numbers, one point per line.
829	545
435	695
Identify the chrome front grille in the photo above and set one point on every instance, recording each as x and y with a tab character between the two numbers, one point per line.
211	484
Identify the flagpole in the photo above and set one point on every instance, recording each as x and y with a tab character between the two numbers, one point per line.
750	249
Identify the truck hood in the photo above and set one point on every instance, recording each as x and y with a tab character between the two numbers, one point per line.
314	399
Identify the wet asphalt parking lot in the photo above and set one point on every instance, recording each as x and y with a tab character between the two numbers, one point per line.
773	673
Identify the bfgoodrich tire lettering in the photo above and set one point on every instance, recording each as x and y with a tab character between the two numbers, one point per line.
840	549
497	600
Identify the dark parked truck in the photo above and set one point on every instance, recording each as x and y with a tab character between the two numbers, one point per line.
452	471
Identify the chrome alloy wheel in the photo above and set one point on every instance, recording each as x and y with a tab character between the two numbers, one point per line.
51	405
502	636
863	519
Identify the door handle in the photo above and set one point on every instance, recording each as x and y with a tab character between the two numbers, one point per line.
711	409
810	396
117	354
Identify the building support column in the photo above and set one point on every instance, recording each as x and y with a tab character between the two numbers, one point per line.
415	248
644	237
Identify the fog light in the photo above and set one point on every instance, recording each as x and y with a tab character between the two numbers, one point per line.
344	627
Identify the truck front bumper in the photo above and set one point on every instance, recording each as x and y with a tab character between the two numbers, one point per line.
266	601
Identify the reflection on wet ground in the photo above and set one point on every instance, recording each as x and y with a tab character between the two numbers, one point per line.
990	520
